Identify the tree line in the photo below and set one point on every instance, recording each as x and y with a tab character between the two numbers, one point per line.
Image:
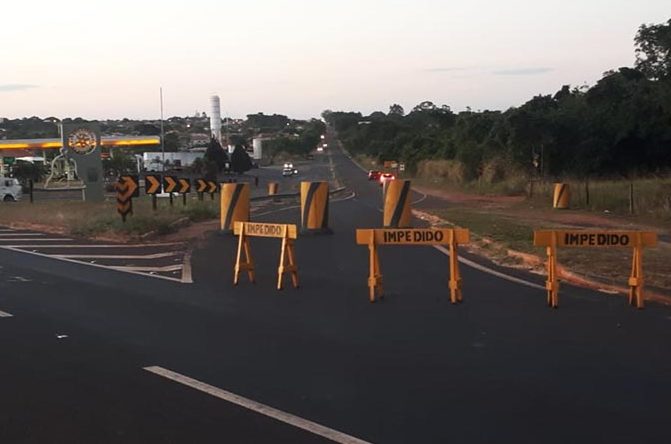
621	126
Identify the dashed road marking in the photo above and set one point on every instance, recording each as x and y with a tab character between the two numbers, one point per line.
271	412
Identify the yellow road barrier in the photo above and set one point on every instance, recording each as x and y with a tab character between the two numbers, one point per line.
562	196
451	237
273	188
551	239
315	207
397	213
287	232
234	204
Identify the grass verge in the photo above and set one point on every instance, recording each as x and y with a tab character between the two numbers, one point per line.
84	219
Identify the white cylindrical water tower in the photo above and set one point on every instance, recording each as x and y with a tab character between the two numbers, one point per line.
215	118
257	146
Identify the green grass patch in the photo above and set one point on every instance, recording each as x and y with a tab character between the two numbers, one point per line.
94	219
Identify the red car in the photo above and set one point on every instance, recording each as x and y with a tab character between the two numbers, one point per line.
386	177
374	175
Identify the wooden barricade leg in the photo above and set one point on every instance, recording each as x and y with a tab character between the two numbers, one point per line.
287	263
455	274
293	267
248	263
552	283
636	278
374	277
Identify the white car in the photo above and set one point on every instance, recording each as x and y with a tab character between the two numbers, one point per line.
10	189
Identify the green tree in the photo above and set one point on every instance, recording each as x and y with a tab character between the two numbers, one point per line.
653	50
240	161
396	110
216	154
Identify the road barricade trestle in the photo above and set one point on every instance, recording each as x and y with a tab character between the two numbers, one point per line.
287	232
637	240
373	237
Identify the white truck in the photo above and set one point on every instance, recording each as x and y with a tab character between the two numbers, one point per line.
10	189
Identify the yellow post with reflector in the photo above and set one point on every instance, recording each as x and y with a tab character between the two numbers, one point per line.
561	198
315	207
397	212
273	188
234	205
552	239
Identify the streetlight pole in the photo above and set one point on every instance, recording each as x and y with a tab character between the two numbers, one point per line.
162	135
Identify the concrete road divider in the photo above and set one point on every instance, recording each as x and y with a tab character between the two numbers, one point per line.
562	196
234	205
552	239
273	188
287	232
315	208
451	237
397	212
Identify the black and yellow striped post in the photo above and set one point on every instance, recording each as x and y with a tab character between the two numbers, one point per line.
234	205
562	196
273	187
315	208
397	212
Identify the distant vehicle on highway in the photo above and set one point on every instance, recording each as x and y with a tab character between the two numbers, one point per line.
374	175
10	189
386	177
288	172
320	149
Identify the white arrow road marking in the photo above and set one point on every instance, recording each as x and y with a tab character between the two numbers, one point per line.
279	415
4	314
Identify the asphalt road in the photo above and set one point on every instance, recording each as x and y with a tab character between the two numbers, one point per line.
501	367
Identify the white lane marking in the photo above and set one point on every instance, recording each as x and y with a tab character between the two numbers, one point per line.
421	199
351	196
18	249
32	239
4	314
257	407
164	269
6	230
119	256
484	269
186	269
91	245
20	234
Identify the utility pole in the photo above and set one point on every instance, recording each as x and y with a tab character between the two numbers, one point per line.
162	135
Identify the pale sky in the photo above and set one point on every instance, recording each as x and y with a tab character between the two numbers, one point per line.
101	60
